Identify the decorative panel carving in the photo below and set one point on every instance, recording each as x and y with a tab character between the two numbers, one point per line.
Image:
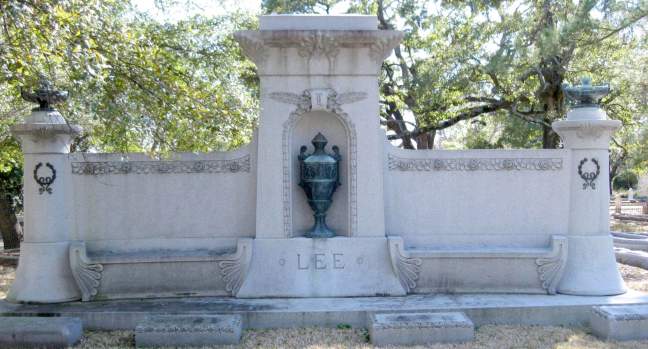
475	164
97	168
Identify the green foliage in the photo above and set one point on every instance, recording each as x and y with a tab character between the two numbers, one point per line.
625	181
302	6
136	84
463	60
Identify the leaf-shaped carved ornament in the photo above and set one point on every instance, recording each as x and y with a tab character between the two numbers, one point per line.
86	274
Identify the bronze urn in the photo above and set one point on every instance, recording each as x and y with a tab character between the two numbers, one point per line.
319	178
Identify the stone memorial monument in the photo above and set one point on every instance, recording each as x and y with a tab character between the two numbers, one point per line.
275	219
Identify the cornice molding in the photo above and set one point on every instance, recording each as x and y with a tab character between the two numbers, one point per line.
317	43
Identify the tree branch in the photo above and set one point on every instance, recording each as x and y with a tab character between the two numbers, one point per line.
466	115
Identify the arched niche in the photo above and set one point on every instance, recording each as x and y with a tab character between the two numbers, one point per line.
339	130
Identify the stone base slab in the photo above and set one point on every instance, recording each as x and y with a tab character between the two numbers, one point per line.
188	330
39	332
510	309
626	322
420	328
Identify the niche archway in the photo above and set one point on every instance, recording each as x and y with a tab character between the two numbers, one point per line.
298	130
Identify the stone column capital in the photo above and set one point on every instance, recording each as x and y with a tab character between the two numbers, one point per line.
586	134
45	131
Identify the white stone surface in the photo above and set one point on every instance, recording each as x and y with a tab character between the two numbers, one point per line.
586	113
43	274
205	210
188	330
336	267
628	322
589	270
490	206
468	221
496	270
317	22
420	328
39	332
591	265
483	309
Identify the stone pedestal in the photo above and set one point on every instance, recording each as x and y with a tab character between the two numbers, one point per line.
335	267
319	74
43	273
591	267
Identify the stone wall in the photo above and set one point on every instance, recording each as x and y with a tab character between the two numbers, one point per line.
471	198
129	202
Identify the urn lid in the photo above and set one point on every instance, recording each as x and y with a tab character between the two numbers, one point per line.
319	155
45	95
585	94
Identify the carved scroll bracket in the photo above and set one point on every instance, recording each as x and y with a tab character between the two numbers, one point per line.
405	267
234	268
86	274
551	268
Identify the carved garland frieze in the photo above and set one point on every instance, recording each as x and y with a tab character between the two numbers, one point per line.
406	268
96	168
474	164
318	99
319	43
550	269
86	274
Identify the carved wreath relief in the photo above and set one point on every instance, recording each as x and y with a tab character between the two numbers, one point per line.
44	181
589	177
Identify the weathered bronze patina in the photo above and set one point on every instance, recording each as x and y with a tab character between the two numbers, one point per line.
45	95
319	177
585	94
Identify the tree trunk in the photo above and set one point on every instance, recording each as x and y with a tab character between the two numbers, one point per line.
426	140
9	226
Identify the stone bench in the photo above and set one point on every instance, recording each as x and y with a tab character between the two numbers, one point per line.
420	328
188	330
48	332
620	322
